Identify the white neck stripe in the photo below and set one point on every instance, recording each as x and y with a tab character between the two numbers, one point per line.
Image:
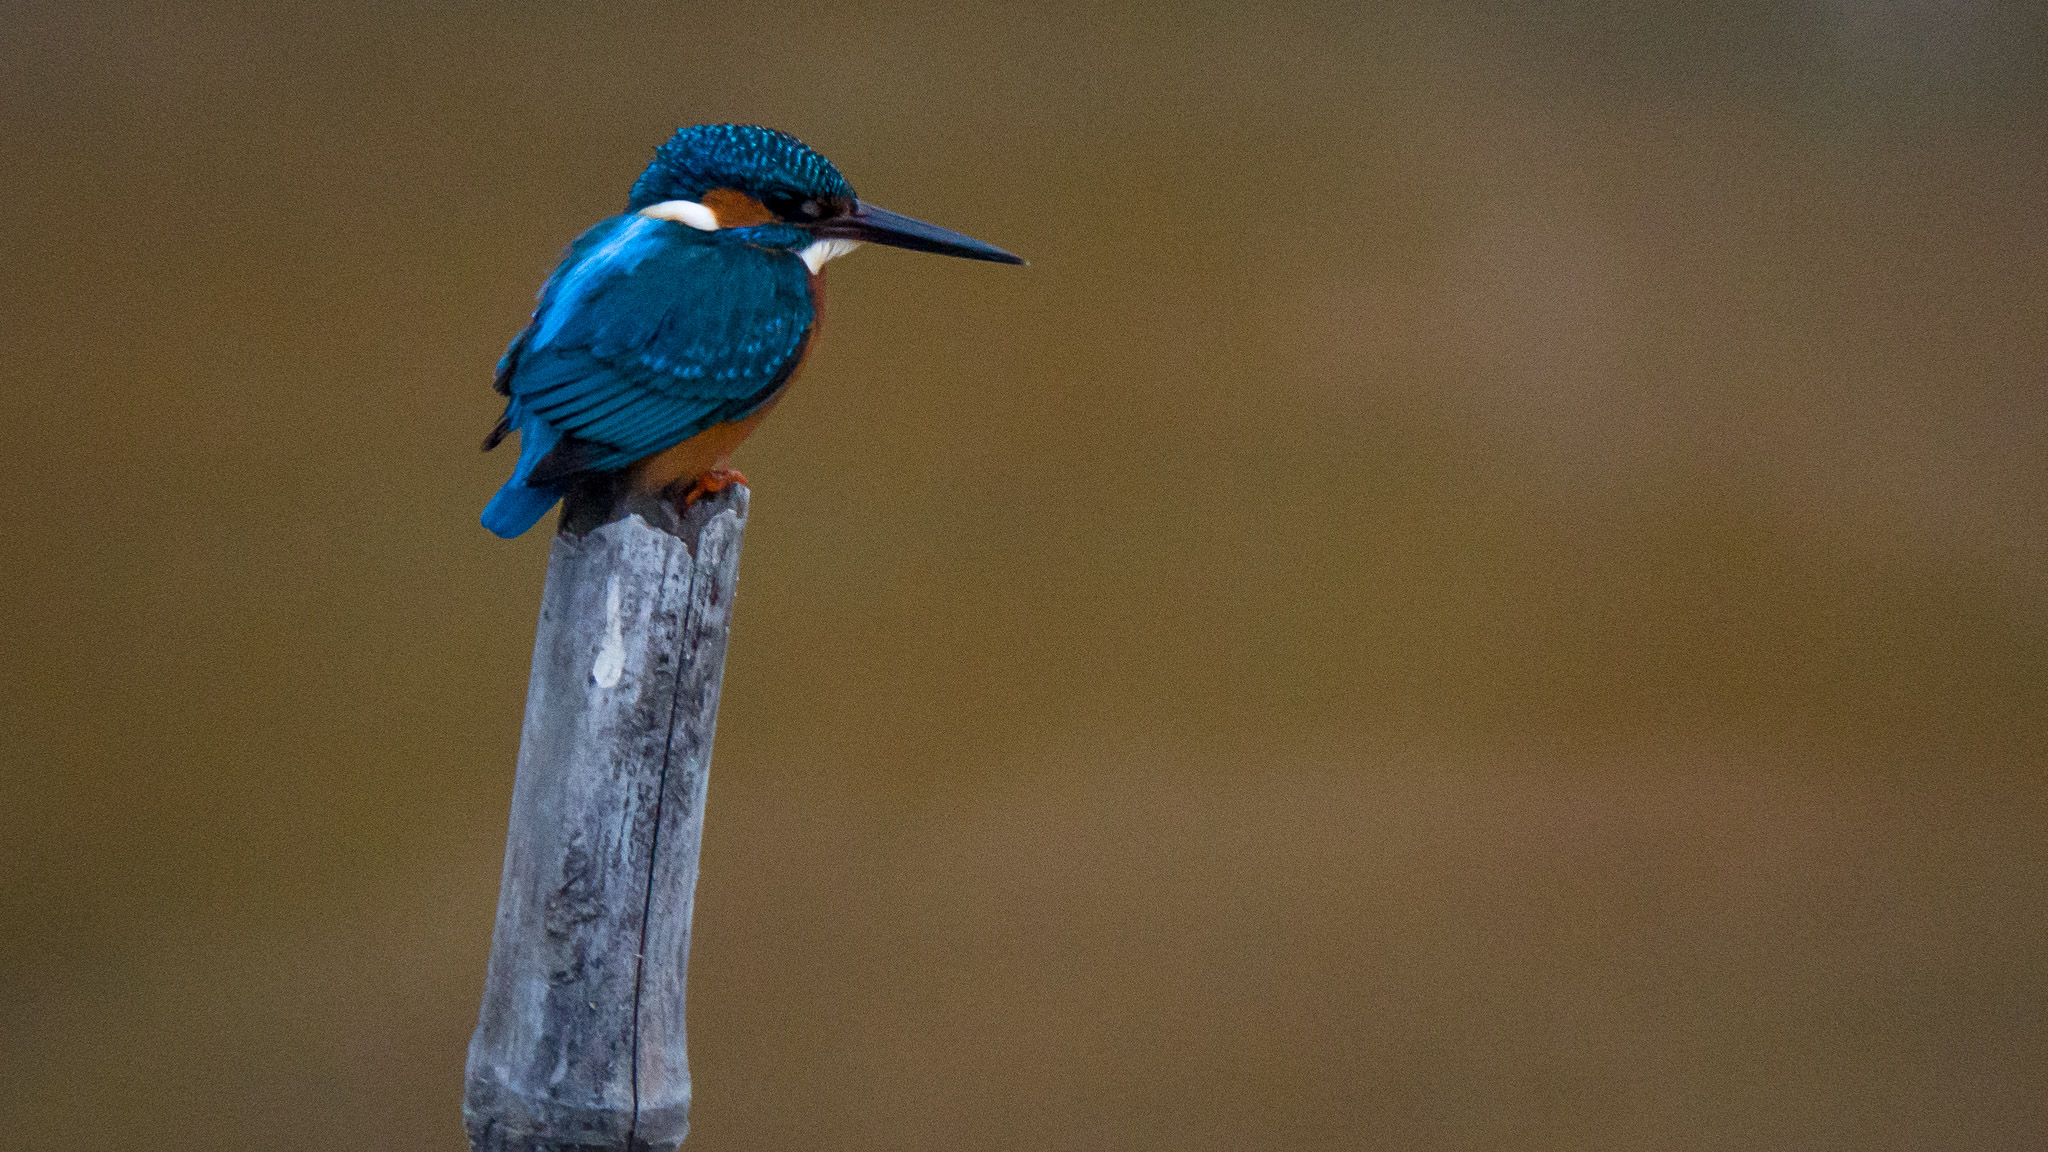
688	212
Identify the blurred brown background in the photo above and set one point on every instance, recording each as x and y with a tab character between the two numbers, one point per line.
1484	590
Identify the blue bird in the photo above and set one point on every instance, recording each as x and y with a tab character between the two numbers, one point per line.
667	334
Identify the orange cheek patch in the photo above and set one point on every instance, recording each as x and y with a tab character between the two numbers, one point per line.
736	209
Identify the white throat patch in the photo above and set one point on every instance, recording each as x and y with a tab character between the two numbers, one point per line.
688	212
820	251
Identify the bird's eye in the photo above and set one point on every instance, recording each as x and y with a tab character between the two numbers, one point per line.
794	207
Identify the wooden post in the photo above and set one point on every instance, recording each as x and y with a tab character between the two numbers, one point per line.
579	1044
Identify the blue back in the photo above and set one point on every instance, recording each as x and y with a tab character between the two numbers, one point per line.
648	333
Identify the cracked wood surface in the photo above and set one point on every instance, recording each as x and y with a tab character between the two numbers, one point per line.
580	1040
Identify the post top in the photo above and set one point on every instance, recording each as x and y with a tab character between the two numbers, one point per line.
609	498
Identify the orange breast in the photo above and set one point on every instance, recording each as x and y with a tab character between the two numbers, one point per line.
700	453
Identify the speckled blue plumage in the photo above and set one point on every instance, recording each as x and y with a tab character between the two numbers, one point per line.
742	156
650	331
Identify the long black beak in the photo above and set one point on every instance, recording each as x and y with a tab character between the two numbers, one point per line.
881	226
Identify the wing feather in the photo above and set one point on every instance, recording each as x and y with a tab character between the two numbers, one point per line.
651	332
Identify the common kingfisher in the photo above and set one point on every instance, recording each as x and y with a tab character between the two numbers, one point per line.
667	333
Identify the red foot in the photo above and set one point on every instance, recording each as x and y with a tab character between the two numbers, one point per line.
712	482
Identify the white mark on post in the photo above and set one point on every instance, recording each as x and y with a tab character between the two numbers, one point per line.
611	655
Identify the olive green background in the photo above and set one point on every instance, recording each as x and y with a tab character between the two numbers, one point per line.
1487	588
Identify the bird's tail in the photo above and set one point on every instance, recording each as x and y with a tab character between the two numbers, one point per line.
519	505
516	507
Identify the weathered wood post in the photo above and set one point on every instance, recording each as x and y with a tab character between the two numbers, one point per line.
579	1044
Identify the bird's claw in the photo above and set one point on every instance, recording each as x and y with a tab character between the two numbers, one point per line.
711	483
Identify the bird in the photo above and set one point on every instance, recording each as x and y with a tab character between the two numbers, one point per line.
667	333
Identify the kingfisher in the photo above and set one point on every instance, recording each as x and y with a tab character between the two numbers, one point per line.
667	333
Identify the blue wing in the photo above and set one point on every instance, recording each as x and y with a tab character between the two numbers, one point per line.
648	333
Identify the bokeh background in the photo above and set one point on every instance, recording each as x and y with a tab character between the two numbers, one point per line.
1484	590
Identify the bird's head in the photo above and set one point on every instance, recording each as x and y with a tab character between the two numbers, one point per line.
778	193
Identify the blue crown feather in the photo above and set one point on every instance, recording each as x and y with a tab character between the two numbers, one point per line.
742	156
